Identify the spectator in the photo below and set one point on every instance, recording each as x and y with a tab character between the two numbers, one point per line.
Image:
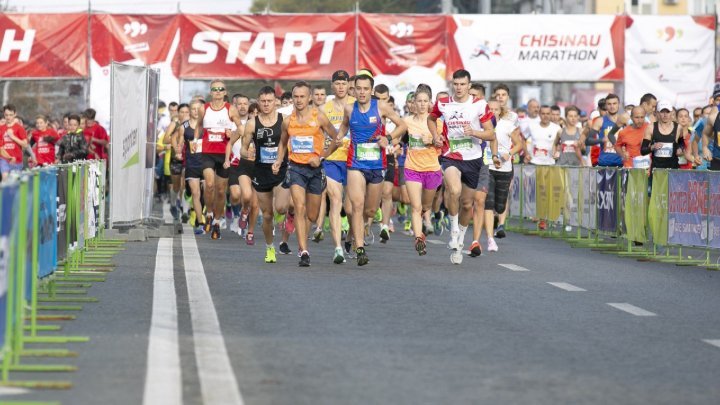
14	140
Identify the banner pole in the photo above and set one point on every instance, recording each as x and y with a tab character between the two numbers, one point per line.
35	251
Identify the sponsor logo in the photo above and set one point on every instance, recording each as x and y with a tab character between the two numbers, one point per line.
486	50
650	66
402	30
402	50
644	51
687	66
11	43
687	50
262	49
134	29
456	115
668	33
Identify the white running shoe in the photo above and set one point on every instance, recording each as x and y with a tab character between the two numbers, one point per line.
492	246
223	223
234	227
456	257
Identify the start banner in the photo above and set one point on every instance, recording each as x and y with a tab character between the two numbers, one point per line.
280	47
537	47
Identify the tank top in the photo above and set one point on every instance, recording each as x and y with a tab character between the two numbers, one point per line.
215	122
568	148
366	128
192	160
608	156
420	157
666	156
306	139
335	116
266	141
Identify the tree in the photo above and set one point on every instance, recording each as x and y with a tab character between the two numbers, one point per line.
345	6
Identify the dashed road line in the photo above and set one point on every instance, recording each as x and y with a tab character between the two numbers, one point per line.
513	267
435	242
566	286
714	342
632	309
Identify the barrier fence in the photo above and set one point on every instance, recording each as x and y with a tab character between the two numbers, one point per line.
52	247
632	212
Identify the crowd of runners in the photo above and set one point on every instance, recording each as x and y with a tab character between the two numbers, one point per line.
311	164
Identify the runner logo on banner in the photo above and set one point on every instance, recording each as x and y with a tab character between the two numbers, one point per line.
687	208
606	201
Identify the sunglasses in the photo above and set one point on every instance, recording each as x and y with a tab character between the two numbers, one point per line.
217	88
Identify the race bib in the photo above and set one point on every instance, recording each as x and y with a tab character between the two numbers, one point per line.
541	152
641	162
568	147
198	146
460	144
665	151
416	142
368	152
302	144
268	155
215	137
487	156
43	149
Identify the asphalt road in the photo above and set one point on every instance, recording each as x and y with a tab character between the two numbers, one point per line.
404	329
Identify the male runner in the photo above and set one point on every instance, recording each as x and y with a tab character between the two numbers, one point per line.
366	159
467	122
319	96
304	140
217	118
502	95
649	103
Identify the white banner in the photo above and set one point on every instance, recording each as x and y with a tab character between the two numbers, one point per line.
539	47
128	107
529	190
589	199
672	57
572	196
515	187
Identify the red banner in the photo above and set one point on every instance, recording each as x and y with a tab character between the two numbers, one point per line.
266	46
122	38
44	45
392	43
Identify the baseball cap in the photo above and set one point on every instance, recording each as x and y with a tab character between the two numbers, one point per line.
340	75
664	105
716	90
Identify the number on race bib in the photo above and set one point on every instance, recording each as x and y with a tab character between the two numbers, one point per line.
368	152
460	144
302	144
665	150
268	155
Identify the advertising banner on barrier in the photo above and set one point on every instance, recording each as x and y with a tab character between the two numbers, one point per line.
43	45
62	212
662	52
529	192
687	208
128	143
8	204
31	229
589	198
403	50
537	47
607	200
572	195
81	210
635	205
714	210
283	47
48	252
515	187
91	200
133	39
658	209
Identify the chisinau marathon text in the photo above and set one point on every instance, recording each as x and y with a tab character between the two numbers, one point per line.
545	47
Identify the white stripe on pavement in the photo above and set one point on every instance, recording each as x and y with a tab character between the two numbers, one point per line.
714	342
566	286
167	216
435	242
163	380
632	309
13	391
513	267
217	378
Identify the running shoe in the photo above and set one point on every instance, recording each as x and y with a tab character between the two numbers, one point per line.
437	227
318	235
362	258
369	235
500	232
407	227
475	249
192	218
198	230
402	209
384	234
349	251
174	212
456	257
429	228
184	218
304	259
215	235
250	239
339	257
208	224
290	223
344	224
270	255
391	226
454	243
378	215
284	248
223	223
492	246
243	220
420	245
234	227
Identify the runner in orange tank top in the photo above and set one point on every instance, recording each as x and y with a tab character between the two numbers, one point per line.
302	137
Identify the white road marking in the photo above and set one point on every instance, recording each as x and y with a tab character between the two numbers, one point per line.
566	286
513	267
436	242
163	379
13	391
632	309
217	378
714	342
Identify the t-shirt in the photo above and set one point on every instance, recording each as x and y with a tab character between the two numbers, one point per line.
456	116
631	139
44	151
525	125
542	139
96	131
503	130
420	156
13	149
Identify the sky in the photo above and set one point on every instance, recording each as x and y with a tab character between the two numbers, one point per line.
131	6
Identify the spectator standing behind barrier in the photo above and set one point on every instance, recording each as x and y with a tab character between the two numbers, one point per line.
711	133
43	139
541	136
683	119
664	139
13	139
629	141
72	145
96	136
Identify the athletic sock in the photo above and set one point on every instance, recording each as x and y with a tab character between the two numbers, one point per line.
453	223
462	229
